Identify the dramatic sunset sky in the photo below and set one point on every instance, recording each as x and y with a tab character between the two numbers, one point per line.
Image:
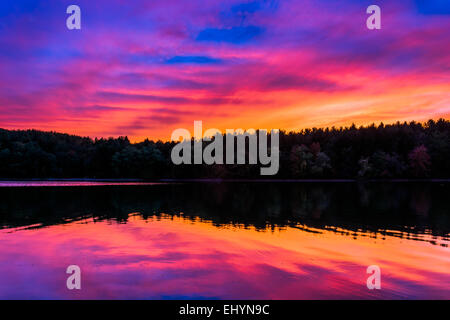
143	68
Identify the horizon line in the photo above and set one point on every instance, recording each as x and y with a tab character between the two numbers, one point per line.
285	131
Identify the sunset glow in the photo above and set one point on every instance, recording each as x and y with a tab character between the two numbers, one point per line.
251	262
147	69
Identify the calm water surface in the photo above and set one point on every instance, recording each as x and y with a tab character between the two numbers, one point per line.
225	241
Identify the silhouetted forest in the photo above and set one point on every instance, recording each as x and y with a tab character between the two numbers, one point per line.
401	150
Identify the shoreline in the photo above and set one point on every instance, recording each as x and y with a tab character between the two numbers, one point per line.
207	180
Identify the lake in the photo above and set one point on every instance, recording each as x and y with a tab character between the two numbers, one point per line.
231	240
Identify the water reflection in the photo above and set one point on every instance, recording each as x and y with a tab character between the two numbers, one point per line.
231	241
410	209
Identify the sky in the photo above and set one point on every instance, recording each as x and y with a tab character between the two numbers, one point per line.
144	68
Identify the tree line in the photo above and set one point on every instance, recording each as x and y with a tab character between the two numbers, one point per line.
400	150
